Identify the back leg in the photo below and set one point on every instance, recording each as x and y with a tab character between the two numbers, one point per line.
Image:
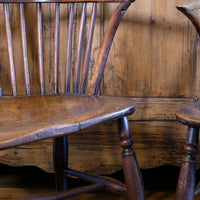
60	162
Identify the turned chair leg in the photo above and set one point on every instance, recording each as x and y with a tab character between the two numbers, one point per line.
60	153
186	182
132	175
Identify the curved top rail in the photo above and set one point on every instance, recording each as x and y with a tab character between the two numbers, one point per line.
62	1
188	10
191	6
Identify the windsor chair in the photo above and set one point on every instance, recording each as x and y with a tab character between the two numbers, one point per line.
30	118
190	116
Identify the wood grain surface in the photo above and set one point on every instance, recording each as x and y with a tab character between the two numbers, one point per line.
28	119
153	60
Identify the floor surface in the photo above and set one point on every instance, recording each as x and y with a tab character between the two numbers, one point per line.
15	183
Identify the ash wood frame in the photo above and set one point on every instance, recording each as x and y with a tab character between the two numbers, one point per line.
133	179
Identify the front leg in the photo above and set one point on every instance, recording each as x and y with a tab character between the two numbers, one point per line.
132	175
186	182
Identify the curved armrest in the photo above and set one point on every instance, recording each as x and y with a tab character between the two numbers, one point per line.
191	6
105	47
188	10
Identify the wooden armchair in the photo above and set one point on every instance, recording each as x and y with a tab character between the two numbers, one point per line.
190	116
29	118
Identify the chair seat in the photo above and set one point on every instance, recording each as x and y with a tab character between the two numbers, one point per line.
189	114
27	119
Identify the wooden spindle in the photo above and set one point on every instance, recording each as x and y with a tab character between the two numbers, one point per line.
10	49
79	51
40	47
88	49
56	46
69	49
24	48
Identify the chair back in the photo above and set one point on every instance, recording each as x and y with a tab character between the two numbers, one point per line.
70	67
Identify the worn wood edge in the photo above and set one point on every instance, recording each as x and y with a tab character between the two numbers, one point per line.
186	117
156	109
164	138
186	120
60	130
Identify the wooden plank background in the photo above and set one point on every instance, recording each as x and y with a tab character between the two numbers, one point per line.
154	60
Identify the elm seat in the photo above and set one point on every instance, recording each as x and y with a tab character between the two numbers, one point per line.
27	119
190	116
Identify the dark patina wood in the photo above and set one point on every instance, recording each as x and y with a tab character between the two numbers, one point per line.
186	182
32	118
39	117
190	116
130	166
60	155
110	184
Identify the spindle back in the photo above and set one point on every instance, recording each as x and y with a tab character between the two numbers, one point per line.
78	47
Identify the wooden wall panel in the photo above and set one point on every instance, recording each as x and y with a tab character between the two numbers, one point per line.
153	141
153	54
154	60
